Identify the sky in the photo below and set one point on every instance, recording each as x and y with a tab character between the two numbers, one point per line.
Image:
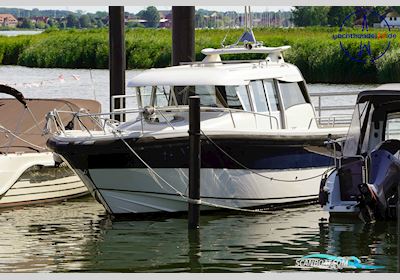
135	9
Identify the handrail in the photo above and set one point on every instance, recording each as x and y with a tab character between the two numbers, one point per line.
333	93
331	119
319	109
320	95
108	120
106	117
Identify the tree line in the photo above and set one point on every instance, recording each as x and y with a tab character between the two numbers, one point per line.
338	15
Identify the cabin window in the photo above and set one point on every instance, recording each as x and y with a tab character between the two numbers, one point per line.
208	96
234	97
161	96
292	94
145	95
244	97
158	96
393	126
272	96
260	100
230	96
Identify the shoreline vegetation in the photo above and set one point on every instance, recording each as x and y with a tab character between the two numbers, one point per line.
314	50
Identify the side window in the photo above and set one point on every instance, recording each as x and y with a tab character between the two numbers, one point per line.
271	93
145	94
207	95
230	96
260	101
392	130
162	96
291	94
244	97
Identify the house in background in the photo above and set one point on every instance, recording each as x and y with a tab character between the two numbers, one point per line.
8	20
43	19
392	19
165	19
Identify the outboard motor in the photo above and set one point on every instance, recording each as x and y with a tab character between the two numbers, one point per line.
379	198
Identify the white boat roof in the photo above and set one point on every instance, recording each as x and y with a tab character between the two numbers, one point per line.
216	74
235	50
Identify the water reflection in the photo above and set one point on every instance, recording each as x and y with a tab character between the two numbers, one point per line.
48	238
233	243
78	236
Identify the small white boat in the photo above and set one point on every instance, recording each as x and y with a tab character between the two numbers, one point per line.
29	172
365	181
257	121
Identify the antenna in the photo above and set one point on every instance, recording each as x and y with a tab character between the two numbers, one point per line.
247	38
250	19
245	17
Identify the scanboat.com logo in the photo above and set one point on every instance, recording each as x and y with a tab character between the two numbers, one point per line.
329	262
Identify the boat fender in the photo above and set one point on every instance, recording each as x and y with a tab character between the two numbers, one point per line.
323	194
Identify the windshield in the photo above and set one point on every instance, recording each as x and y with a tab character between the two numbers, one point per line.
357	130
293	93
234	97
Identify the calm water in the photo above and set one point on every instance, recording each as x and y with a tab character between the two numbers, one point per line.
11	33
78	235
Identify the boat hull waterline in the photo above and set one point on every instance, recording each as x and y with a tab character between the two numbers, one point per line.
124	185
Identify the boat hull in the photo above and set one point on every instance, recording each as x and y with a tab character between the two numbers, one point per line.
26	193
257	174
34	178
128	191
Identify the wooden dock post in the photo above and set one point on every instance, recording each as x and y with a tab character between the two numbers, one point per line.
183	24
194	162
117	62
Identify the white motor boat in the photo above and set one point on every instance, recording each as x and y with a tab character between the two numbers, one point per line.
365	181
29	172
257	121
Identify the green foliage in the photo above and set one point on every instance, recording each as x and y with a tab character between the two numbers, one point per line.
389	66
317	55
311	15
337	14
27	23
72	21
84	21
152	16
132	24
40	25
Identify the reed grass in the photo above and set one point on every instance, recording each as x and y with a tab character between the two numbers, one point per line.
314	51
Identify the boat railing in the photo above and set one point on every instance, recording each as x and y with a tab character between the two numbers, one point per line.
321	108
326	115
335	120
107	121
104	121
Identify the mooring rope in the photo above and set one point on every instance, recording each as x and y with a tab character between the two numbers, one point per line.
186	198
259	174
